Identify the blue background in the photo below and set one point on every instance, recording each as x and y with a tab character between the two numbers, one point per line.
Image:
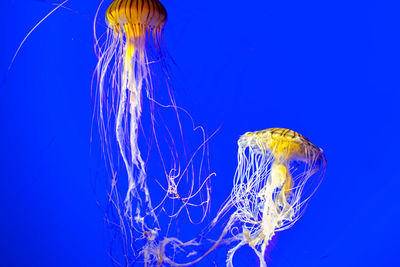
327	69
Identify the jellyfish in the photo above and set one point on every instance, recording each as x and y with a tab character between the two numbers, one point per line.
134	34
129	54
278	171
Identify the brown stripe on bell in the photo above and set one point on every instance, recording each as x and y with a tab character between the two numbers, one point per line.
147	13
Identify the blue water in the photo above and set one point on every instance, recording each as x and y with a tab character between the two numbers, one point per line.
327	69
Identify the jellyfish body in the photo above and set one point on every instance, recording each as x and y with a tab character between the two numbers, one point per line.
134	31
130	54
274	166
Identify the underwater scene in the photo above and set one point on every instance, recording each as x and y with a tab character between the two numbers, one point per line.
199	133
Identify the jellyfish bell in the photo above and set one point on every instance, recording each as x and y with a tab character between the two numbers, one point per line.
283	143
136	16
137	19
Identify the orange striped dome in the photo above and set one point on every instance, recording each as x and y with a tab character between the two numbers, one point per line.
136	12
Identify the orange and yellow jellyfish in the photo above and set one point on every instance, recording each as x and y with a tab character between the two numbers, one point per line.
130	53
133	37
278	171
